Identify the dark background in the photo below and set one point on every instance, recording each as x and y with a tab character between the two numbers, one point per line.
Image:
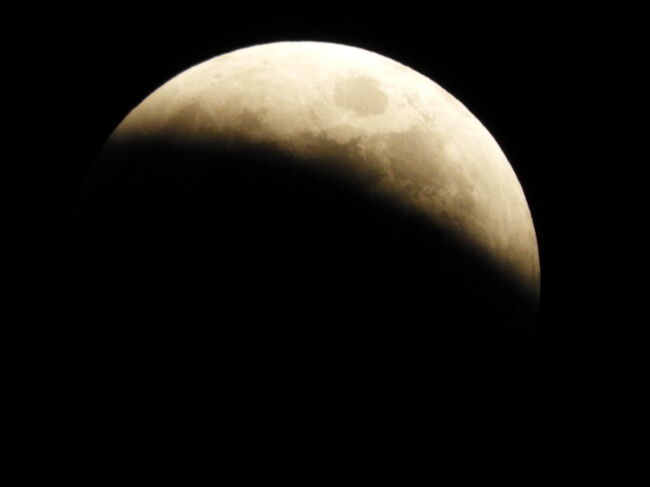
521	73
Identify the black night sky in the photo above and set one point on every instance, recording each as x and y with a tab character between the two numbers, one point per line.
516	71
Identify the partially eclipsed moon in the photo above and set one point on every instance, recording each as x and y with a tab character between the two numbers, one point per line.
391	131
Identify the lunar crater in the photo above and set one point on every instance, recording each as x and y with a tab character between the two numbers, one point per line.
362	95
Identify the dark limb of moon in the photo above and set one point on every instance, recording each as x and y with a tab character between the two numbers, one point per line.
283	294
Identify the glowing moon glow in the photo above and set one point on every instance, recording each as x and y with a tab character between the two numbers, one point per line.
393	131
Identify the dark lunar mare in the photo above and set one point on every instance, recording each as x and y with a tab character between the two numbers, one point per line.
228	286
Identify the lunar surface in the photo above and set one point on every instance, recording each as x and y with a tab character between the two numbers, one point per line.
309	233
395	133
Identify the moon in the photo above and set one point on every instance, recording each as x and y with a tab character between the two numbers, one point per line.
329	201
394	131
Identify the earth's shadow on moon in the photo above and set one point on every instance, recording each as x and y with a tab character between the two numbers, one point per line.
215	277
